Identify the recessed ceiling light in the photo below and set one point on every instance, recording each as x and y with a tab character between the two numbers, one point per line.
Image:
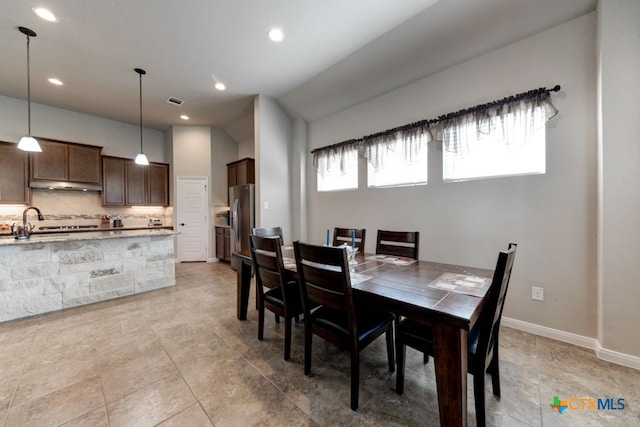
220	86
276	34
184	117
45	14
55	81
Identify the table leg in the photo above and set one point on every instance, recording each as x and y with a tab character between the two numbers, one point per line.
243	287
450	354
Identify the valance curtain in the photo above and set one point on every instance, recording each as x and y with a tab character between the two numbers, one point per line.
338	156
514	121
514	118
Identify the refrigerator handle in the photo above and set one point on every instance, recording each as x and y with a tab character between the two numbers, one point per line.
239	213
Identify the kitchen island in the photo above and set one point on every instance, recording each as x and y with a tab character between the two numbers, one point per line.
54	271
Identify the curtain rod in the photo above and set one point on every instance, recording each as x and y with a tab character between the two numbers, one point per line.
458	113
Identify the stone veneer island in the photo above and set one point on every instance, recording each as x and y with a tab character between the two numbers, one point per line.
51	272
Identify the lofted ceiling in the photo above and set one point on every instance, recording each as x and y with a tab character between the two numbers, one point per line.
336	53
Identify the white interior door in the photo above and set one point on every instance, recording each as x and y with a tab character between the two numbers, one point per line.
192	218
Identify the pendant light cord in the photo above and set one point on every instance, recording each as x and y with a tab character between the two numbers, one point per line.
28	88
140	74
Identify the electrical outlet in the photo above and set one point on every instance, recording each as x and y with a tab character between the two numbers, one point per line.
537	293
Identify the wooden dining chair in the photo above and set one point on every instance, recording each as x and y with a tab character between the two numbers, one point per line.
282	296
398	243
344	235
324	279
483	342
268	231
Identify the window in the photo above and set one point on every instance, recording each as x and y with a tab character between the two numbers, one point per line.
339	172
399	169
490	155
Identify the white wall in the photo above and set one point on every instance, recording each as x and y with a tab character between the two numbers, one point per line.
552	217
117	138
224	150
273	182
619	116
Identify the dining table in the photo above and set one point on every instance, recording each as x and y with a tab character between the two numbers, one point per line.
446	297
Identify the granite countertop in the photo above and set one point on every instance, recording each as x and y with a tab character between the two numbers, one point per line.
7	239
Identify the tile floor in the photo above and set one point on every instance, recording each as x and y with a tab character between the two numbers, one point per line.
179	357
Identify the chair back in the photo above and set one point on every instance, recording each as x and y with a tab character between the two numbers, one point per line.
398	243
344	235
323	275
489	322
268	232
267	262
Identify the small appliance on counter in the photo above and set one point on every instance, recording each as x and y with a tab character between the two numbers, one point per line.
117	223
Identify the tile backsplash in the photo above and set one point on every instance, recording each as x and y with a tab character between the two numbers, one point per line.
82	208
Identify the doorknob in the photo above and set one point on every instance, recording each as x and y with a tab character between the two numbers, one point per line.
182	224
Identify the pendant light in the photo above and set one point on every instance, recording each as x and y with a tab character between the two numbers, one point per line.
141	158
28	143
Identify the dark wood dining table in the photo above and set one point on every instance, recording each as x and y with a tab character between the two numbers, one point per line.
402	287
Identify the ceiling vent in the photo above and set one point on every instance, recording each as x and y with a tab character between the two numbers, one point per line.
175	101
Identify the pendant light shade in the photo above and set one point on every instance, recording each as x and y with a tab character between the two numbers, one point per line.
141	158
27	142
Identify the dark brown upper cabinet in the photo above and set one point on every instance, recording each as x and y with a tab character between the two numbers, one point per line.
14	175
241	172
66	162
127	184
113	181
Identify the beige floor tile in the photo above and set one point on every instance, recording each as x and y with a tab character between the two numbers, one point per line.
58	407
193	416
151	404
96	418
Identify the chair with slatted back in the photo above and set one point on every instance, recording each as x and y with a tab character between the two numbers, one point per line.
482	340
282	296
324	279
398	243
345	235
268	231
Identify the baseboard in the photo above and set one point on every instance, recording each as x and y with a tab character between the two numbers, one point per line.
579	340
213	260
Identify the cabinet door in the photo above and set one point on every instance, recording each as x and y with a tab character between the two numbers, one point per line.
135	184
158	181
113	181
220	243
245	173
84	164
14	175
227	244
232	181
51	164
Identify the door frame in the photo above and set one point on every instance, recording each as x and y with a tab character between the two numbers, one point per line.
176	220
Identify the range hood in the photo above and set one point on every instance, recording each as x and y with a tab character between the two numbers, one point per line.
64	185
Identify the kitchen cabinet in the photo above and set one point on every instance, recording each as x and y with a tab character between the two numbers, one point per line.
223	243
14	175
67	162
113	181
127	184
241	172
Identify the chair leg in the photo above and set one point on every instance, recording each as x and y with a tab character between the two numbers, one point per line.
390	357
277	318
260	321
401	355
287	338
425	358
494	370
308	340
355	378
478	392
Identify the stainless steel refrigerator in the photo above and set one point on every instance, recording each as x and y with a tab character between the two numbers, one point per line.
241	217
